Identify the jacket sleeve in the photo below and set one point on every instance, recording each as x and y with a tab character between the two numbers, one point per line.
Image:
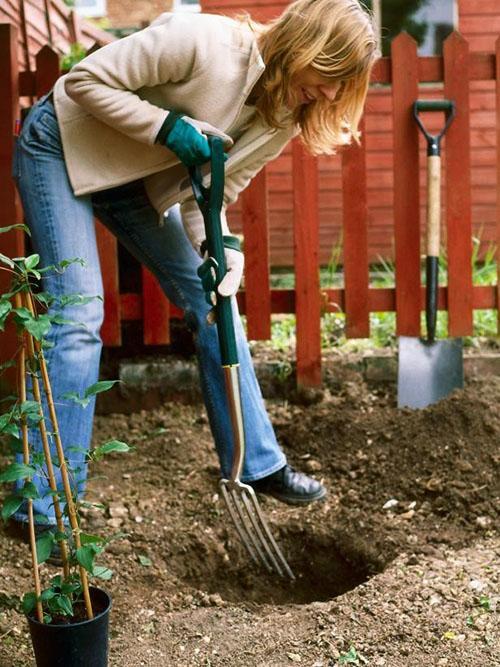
106	82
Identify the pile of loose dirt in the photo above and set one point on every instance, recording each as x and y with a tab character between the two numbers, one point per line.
398	562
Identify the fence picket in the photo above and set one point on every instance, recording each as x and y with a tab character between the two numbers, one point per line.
47	70
108	253
306	249
355	220
155	311
11	243
256	231
497	45
406	186
458	192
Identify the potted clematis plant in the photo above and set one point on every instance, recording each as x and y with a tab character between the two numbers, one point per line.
67	615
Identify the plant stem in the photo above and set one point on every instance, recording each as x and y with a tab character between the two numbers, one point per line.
64	470
26	459
46	451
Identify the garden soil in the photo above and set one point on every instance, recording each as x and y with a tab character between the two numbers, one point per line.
397	568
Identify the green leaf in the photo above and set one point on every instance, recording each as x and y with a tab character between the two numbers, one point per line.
22	313
25	228
103	572
7	364
99	387
5	423
86	538
69	587
111	446
85	556
485	602
29	602
349	658
29	490
144	560
45	298
75	397
31	261
7	261
16	471
59	319
29	408
38	327
58	535
5	308
10	505
47	594
44	546
65	605
76	300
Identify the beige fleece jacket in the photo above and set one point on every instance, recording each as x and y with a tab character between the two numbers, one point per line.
112	104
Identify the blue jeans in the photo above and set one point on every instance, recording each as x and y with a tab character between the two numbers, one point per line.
62	227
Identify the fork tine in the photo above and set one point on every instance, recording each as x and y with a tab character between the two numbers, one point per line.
255	523
270	537
237	525
236	495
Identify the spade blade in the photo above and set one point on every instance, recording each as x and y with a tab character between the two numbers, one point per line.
428	372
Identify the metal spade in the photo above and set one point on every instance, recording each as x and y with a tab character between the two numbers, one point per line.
428	369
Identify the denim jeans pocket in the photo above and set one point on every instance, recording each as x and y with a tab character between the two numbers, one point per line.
41	132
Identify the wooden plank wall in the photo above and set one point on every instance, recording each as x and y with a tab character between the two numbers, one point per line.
41	22
479	23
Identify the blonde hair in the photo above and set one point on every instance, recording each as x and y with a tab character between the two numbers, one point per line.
337	39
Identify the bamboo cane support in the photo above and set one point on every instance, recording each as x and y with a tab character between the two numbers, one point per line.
63	468
46	449
26	459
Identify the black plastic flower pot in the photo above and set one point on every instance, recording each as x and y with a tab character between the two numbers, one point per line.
81	644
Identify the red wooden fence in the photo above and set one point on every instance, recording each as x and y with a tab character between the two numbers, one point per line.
403	71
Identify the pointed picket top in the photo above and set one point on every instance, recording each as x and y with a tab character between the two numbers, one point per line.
47	51
454	39
47	69
403	41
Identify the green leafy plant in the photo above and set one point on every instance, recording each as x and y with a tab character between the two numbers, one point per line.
76	53
27	307
349	658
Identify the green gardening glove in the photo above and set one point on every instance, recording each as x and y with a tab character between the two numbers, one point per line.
186	138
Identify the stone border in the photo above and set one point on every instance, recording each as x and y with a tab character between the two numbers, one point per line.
147	383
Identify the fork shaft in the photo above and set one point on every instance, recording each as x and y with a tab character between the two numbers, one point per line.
232	380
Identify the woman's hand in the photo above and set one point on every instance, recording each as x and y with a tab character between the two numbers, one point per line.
186	138
234	271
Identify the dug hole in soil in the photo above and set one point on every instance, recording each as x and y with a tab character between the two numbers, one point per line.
397	568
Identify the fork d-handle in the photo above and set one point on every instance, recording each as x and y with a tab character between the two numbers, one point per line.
210	202
433	206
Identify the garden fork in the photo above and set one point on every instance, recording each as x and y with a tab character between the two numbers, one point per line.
240	498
